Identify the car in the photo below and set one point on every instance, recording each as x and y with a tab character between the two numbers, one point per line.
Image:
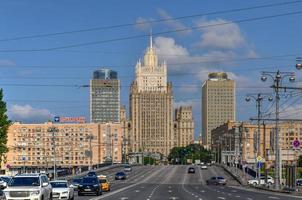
75	183
29	186
127	168
90	185
62	190
120	176
216	180
191	170
6	178
204	167
255	182
299	182
105	183
92	173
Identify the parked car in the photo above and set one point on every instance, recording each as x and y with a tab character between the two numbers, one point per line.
120	176
62	190
29	186
106	185
216	180
127	168
90	185
75	183
92	173
191	170
2	195
3	183
255	182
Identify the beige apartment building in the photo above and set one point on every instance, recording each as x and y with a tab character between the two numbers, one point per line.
151	106
184	126
237	141
218	104
34	145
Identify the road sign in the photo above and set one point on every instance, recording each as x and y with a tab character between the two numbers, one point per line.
296	144
259	158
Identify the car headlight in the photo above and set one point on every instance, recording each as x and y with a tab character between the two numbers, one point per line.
35	192
66	192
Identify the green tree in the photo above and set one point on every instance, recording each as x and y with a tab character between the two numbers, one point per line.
300	161
4	125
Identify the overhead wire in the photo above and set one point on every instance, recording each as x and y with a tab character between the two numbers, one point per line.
147	35
151	21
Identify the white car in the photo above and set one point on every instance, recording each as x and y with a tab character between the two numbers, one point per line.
29	186
62	190
255	182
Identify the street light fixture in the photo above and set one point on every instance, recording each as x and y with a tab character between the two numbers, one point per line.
258	98
277	78
299	63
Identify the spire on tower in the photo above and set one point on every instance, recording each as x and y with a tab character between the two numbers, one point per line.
151	40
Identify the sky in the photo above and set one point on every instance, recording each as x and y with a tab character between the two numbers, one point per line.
49	49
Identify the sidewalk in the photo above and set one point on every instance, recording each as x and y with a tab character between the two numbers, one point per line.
238	174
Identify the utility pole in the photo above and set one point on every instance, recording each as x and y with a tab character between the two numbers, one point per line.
277	78
258	98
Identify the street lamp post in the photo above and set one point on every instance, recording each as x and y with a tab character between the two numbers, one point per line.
277	78
258	98
53	130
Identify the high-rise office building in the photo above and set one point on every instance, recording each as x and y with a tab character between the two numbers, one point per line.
184	126
218	104
151	106
104	97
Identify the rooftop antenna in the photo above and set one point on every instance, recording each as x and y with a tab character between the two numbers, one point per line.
151	41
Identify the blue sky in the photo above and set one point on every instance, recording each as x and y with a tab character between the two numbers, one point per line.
241	49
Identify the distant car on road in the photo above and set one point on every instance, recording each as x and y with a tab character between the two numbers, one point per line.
75	183
92	173
127	168
216	180
299	182
255	182
120	176
204	167
90	185
62	190
191	170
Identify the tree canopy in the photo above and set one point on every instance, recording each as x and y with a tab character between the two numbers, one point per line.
4	125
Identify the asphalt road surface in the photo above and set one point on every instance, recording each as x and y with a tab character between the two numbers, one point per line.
173	182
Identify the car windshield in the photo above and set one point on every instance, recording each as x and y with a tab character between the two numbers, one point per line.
25	181
220	177
103	180
6	179
127	166
90	180
59	184
76	180
120	174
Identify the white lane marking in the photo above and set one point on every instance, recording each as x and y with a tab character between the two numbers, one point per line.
234	190
202	191
137	190
173	198
200	199
237	196
249	198
169	191
270	197
220	198
124	198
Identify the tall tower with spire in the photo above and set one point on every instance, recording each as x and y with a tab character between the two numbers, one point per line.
151	106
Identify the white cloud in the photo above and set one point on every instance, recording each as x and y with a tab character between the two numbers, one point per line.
143	24
28	114
173	24
226	36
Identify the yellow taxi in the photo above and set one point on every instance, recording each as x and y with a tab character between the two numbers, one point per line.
104	182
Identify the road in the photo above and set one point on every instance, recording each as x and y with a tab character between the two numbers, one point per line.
173	182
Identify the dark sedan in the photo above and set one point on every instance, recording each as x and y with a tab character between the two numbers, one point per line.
191	170
90	185
216	180
120	176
